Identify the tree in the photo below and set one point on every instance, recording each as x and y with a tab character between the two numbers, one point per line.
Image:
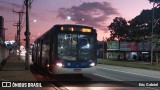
140	26
118	28
156	15
156	1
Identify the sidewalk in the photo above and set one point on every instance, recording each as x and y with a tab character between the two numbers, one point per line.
133	64
14	71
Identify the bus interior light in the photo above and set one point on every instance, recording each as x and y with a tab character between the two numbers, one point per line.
87	46
62	28
72	29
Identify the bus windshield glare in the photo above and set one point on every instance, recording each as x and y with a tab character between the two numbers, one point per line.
76	47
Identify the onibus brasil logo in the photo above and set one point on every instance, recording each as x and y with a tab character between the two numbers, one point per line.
20	84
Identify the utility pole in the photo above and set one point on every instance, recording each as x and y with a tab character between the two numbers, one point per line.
17	24
17	38
18	31
27	34
152	52
103	48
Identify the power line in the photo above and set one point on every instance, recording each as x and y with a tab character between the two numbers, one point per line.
13	12
31	2
18	37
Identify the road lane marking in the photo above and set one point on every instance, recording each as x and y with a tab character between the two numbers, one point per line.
129	72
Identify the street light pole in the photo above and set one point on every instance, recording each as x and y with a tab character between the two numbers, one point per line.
152	33
103	48
27	34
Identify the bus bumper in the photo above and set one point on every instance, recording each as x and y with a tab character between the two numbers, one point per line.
58	70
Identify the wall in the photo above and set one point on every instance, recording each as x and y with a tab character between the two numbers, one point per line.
4	53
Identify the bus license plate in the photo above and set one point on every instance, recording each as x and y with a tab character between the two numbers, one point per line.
77	70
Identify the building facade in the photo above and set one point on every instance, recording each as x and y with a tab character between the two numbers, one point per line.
2	30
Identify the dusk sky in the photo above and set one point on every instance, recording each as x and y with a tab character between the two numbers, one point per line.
46	13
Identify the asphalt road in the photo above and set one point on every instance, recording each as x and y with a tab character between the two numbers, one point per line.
106	77
116	77
120	73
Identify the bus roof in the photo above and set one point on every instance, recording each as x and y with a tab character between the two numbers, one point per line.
65	25
72	25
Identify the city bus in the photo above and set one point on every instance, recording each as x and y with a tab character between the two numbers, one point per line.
66	49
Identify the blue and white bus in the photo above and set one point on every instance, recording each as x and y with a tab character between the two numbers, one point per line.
66	49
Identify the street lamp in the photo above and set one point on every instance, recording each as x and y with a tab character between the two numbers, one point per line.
153	25
152	34
68	17
34	20
156	22
77	19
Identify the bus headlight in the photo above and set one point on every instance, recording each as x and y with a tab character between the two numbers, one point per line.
92	64
59	64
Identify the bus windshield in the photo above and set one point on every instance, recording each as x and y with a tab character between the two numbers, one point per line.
75	47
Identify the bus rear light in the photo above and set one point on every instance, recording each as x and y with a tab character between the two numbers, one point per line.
59	64
92	64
